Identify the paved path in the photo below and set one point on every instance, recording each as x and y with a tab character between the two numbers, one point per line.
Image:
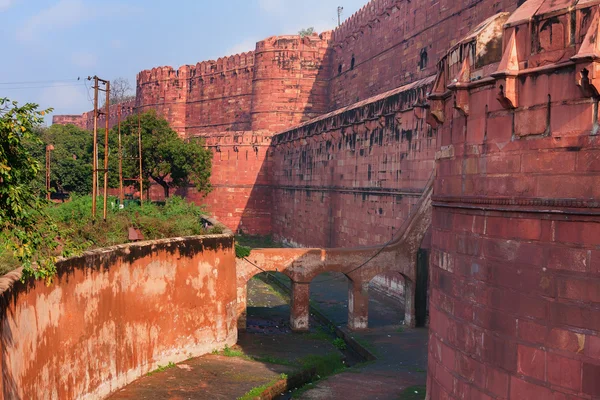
401	353
208	377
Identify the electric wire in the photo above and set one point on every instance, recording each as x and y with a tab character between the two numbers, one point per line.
39	82
41	86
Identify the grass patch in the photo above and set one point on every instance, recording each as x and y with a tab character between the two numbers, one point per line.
413	393
229	352
236	352
339	343
324	366
162	368
79	233
257	391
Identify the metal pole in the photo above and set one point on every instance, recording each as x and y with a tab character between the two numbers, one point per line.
107	116
121	196
95	155
140	157
49	148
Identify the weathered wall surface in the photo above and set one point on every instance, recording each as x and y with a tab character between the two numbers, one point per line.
115	314
350	177
515	268
395	42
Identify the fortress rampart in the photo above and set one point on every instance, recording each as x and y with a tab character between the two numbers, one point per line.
500	105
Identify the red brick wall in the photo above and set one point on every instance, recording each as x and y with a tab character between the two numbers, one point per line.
515	267
291	80
111	316
387	37
350	177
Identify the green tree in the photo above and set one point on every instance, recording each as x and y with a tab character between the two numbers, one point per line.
168	160
306	32
71	159
21	205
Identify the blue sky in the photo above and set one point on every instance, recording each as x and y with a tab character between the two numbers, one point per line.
52	42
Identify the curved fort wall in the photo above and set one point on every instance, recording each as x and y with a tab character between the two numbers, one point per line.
515	267
115	314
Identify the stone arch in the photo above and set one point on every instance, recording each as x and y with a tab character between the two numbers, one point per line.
259	316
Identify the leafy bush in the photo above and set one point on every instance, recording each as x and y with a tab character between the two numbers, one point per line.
77	232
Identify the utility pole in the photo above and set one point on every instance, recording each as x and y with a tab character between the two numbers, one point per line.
121	196
107	116
49	148
139	179
140	158
95	150
95	169
339	12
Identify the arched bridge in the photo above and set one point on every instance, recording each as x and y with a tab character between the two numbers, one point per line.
360	265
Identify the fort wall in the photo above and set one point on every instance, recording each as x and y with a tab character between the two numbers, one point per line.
389	43
115	314
515	271
350	177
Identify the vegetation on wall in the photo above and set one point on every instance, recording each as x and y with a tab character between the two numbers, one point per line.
78	233
35	232
25	231
168	160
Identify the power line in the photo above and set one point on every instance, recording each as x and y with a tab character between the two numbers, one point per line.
41	87
49	81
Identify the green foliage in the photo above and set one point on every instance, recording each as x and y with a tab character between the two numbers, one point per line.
229	352
162	368
306	31
73	220
242	251
339	343
24	230
168	160
324	365
255	392
71	159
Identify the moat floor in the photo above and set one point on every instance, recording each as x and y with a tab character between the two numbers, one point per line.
400	365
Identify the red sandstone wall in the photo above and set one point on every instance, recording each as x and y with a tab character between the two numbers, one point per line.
211	96
113	315
515	267
387	38
76	120
350	177
290	81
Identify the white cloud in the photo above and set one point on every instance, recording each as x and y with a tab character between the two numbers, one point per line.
63	14
6	4
67	13
84	59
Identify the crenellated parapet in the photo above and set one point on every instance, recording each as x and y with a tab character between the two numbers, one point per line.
369	15
291	80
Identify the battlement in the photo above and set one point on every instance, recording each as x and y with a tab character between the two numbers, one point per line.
369	15
223	65
294	42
